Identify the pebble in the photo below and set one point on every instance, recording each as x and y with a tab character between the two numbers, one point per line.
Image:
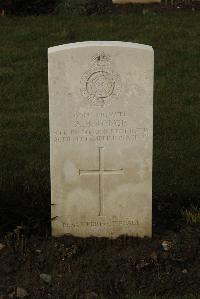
185	271
45	277
166	245
21	293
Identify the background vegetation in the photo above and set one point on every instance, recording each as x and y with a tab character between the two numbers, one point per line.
24	7
24	141
86	7
68	7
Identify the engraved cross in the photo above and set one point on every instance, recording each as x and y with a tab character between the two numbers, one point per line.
101	172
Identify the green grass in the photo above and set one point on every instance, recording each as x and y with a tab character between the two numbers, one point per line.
192	215
163	297
24	141
159	297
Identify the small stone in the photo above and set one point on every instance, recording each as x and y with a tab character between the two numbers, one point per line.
2	246
185	271
38	251
45	277
21	293
166	245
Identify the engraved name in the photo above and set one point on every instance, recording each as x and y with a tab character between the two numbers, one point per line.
100	127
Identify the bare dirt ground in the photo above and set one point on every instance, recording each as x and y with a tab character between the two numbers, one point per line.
68	267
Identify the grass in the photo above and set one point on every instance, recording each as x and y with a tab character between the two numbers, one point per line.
156	297
192	215
159	297
24	141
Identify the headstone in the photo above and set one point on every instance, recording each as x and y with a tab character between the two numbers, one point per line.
135	1
101	125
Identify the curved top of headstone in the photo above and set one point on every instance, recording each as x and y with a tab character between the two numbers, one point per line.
99	43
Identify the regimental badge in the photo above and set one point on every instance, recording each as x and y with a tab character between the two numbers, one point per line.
100	85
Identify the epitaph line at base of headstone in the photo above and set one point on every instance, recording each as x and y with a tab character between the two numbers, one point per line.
101	138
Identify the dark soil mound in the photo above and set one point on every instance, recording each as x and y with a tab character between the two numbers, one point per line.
167	264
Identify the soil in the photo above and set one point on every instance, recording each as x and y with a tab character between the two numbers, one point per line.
168	264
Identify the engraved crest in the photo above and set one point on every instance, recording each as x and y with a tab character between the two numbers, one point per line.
100	84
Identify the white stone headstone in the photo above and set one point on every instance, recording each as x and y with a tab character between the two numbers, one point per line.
101	126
